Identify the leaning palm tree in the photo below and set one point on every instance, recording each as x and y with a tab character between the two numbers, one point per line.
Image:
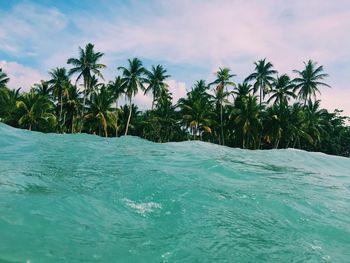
282	90
4	79
263	77
133	80
308	81
223	76
85	66
156	82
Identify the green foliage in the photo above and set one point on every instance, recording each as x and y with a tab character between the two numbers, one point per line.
265	111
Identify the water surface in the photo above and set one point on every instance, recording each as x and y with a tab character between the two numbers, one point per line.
83	198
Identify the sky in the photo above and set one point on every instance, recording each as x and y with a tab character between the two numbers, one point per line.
192	39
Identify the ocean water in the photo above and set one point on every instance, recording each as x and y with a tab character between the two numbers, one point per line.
83	198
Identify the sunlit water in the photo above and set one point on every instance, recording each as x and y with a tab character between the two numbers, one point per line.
83	198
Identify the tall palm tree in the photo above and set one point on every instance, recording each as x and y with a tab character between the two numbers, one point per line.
72	106
263	77
282	90
308	81
116	88
4	79
59	83
156	82
86	66
223	80
133	80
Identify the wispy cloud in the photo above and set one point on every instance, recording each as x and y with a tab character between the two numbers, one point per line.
194	34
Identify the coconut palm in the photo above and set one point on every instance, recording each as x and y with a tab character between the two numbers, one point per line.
316	119
223	80
43	88
308	81
100	112
263	77
36	112
8	99
72	107
59	83
282	90
243	90
246	116
156	82
133	80
4	79
123	116
197	111
86	66
116	88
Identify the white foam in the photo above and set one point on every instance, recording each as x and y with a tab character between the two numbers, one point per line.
142	208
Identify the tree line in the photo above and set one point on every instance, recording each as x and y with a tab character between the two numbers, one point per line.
267	110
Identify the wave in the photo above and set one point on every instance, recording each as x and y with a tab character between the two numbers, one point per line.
84	198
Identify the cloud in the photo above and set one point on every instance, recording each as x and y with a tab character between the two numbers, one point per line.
198	34
177	89
28	29
21	76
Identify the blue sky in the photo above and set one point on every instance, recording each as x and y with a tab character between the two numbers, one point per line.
190	38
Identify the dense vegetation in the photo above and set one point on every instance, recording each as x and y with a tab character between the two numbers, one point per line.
266	111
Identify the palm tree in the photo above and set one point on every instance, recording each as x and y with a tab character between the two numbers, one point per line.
3	79
36	112
85	66
296	128
309	80
315	118
133	79
116	88
123	116
223	77
156	82
243	90
100	110
282	90
72	106
59	84
43	88
263	77
246	116
8	99
197	110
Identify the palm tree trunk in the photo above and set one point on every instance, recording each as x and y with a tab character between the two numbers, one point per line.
84	101
127	124
61	108
72	127
222	128
116	120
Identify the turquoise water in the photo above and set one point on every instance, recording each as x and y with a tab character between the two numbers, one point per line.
83	198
